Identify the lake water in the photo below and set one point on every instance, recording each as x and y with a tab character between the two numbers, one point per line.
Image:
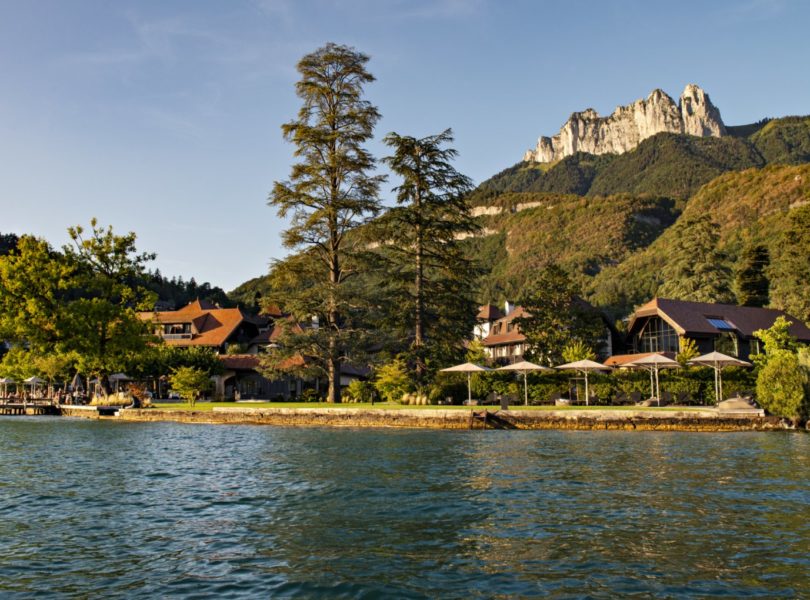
147	510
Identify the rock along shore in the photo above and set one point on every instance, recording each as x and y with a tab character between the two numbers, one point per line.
633	419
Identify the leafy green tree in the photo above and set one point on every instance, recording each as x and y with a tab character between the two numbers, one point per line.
18	364
774	339
392	381
104	325
330	192
751	282
577	350
477	353
688	351
782	385
429	278
159	360
792	271
190	383
55	366
35	288
697	270
556	317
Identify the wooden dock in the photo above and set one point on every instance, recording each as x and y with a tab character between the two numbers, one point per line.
28	408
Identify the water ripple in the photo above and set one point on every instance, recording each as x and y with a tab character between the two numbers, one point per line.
145	510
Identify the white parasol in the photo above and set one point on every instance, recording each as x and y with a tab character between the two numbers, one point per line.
469	369
524	367
718	361
584	366
654	362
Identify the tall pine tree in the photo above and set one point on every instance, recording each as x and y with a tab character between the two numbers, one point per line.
697	269
751	282
430	277
329	193
791	271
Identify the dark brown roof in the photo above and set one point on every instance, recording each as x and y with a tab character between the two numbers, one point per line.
692	317
501	326
273	334
239	362
617	360
488	312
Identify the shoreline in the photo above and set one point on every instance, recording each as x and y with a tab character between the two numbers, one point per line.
570	419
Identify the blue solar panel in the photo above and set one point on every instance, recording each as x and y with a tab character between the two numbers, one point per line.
720	324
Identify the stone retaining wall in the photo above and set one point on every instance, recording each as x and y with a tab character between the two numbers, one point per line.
645	420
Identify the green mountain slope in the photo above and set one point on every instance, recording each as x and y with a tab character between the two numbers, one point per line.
749	207
581	234
674	165
784	141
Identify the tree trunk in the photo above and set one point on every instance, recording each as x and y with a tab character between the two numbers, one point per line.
419	333
333	318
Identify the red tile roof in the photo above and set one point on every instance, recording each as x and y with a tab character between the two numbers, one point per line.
213	325
502	325
691	317
618	360
488	312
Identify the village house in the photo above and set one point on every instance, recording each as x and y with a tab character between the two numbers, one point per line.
500	334
204	324
659	325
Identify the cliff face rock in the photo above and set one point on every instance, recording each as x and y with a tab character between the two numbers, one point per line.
629	125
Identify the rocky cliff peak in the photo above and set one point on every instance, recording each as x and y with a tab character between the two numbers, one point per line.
629	125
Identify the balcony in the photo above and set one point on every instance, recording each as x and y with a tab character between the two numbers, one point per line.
177	336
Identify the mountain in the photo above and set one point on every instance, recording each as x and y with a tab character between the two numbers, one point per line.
629	125
666	164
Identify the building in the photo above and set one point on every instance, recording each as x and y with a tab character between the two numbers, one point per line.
658	325
503	340
201	323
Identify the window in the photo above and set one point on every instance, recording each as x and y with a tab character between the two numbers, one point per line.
720	323
657	336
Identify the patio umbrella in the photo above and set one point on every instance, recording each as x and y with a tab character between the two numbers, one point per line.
718	361
117	378
5	381
469	369
584	367
34	382
524	367
654	362
77	383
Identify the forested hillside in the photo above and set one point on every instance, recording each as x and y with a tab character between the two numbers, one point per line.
614	221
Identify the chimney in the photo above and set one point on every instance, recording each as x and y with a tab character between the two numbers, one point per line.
508	307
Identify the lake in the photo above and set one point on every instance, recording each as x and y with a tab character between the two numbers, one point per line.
144	510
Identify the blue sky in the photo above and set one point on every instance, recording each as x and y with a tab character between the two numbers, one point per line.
164	117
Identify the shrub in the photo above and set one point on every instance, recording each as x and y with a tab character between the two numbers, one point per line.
541	393
310	395
686	388
359	391
392	381
781	386
443	389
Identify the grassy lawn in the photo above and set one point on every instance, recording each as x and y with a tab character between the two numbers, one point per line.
207	406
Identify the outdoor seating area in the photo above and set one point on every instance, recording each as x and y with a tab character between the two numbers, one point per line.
579	387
